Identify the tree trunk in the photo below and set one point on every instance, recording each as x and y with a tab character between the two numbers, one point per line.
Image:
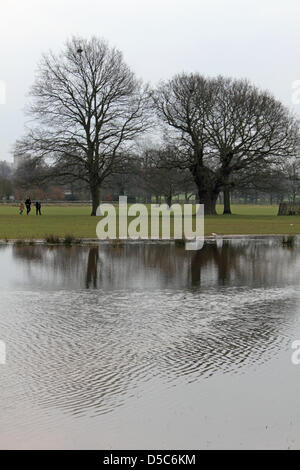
169	200
95	194
207	186
209	199
227	208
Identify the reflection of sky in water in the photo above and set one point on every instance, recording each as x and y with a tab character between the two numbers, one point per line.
93	332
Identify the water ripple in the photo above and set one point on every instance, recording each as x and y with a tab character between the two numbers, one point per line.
85	351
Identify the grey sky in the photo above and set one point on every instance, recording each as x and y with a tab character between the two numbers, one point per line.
255	39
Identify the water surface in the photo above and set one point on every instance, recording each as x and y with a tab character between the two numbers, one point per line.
150	346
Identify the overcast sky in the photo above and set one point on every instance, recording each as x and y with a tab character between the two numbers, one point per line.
257	39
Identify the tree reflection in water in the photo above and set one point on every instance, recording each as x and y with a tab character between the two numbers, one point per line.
159	266
111	317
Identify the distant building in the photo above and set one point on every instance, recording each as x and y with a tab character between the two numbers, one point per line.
6	168
18	160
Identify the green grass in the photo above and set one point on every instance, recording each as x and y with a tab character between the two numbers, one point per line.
76	221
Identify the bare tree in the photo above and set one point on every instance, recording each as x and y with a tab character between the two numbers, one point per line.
158	178
222	126
292	179
260	181
87	107
6	188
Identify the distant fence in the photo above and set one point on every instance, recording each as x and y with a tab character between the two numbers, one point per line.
286	208
50	203
88	203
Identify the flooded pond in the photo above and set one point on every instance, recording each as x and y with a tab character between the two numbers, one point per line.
150	346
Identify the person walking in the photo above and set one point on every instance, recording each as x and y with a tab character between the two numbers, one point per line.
38	206
21	208
28	204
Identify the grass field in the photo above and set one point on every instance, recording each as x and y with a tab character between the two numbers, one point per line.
76	220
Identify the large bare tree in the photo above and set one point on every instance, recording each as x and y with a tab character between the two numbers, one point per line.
158	179
87	108
222	126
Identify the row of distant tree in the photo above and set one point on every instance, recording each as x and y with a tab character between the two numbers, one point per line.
145	180
96	127
14	186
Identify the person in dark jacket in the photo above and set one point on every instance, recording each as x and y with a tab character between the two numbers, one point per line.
38	206
28	204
